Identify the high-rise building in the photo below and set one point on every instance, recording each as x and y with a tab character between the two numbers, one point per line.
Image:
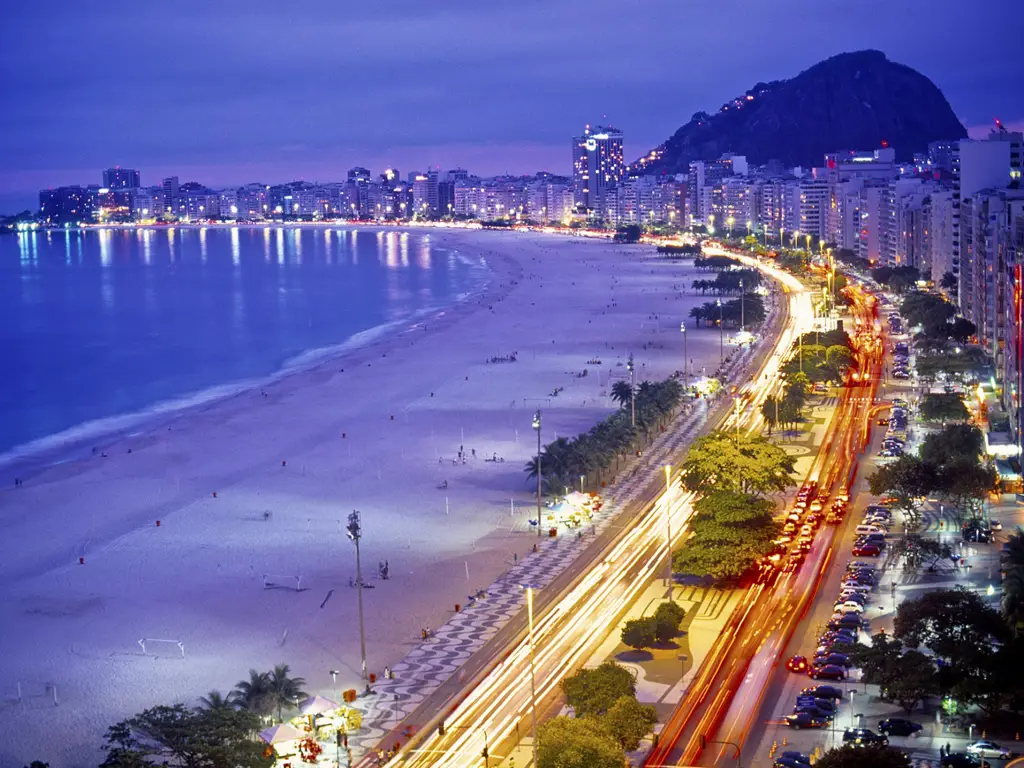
65	205
979	164
597	165
170	195
121	178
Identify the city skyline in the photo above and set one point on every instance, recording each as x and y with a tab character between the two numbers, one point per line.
471	87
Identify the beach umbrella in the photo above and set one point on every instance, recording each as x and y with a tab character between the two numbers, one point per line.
317	705
279	733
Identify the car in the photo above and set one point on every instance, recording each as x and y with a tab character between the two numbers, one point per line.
817	714
898	726
847	596
863	736
845	621
848	606
872	538
804	544
860	565
797	664
807	530
789	528
833	659
963	760
823	692
868	550
890	453
805	720
828	672
995	525
984	748
787	762
799	758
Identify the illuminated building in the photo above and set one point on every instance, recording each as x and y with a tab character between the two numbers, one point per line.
597	165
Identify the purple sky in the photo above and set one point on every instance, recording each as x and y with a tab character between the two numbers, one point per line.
227	92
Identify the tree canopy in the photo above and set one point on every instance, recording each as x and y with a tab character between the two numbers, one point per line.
740	462
867	756
594	691
628	721
943	407
566	742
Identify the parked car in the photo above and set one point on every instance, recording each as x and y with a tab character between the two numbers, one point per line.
848	606
787	762
863	736
833	659
815	712
867	550
828	672
990	749
798	757
823	692
963	760
805	720
898	726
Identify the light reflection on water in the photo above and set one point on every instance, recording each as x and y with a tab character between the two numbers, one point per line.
105	322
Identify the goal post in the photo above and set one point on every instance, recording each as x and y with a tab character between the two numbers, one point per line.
158	646
282	581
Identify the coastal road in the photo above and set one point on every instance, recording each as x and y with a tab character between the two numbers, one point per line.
495	707
714	719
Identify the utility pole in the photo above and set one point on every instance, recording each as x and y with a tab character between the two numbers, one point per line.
533	682
668	526
355	532
743	315
536	426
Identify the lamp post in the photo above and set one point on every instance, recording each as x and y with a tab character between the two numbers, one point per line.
686	357
536	426
355	532
782	236
721	332
743	313
668	526
533	676
632	391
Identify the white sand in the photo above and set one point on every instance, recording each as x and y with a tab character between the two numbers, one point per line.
198	577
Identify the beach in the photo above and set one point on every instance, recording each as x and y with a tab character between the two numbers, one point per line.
217	537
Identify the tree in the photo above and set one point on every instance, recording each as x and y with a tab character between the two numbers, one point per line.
38	764
740	462
667	619
1012	602
954	441
285	689
640	633
176	735
216	700
964	483
722	562
868	756
770	412
877	661
948	282
914	681
594	691
943	407
906	479
628	721
962	329
566	742
960	628
628	233
255	694
838	360
622	393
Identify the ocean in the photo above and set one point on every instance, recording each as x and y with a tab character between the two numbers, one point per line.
101	330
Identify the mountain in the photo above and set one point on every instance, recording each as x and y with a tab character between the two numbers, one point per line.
851	101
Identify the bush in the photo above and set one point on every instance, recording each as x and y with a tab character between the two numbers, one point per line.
640	633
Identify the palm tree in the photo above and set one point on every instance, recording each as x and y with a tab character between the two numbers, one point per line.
254	694
215	701
284	689
622	393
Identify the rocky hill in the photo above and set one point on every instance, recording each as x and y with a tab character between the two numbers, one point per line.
850	101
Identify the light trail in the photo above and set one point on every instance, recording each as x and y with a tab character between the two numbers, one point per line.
569	631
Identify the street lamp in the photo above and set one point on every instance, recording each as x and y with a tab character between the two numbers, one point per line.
533	678
686	357
536	426
355	532
632	391
721	332
743	322
668	526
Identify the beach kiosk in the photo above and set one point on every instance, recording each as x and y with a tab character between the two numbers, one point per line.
284	741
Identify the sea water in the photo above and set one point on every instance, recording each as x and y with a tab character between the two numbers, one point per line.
101	329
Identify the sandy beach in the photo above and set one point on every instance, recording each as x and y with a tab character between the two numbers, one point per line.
173	534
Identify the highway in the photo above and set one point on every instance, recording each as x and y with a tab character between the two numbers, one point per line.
725	698
496	708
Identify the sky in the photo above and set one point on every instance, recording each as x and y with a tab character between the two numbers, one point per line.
230	92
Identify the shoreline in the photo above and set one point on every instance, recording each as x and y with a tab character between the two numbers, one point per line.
28	460
176	537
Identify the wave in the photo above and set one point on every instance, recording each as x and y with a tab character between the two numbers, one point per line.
71	443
